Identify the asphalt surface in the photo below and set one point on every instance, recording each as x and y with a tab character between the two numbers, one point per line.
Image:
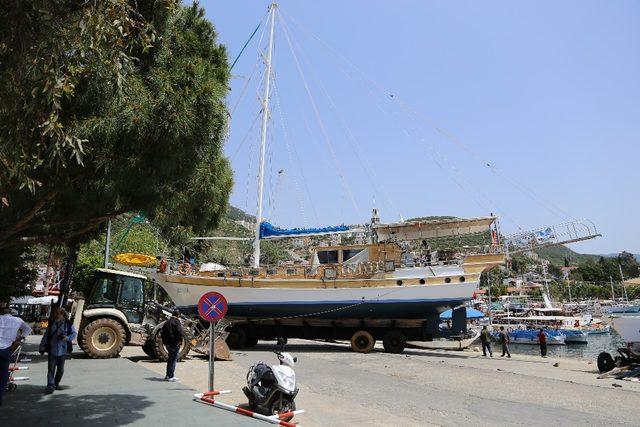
106	393
417	388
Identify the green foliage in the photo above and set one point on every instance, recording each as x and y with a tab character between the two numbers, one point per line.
17	273
561	255
50	51
607	268
125	114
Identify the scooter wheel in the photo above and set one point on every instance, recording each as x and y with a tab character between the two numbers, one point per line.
281	405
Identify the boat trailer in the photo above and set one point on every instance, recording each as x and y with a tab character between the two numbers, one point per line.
207	399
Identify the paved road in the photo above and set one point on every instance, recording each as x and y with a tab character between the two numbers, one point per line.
341	388
106	393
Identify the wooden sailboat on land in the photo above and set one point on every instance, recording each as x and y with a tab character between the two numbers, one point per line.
347	281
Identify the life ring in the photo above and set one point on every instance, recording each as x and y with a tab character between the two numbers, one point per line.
184	268
163	266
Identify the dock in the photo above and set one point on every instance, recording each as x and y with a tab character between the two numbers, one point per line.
423	387
109	392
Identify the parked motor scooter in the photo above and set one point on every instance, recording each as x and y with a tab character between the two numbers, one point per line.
271	390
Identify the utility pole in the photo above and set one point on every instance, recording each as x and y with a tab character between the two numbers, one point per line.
107	245
263	138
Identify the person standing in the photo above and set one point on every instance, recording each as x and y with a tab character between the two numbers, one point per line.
172	336
542	339
485	339
504	340
12	331
57	342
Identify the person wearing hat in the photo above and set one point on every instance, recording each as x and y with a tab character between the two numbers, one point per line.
172	336
12	331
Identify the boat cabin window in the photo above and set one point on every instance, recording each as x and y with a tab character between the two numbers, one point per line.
347	254
328	257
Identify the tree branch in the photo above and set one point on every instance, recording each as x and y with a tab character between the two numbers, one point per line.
30	240
23	222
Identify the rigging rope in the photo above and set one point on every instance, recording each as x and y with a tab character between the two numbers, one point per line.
318	117
290	154
350	137
552	208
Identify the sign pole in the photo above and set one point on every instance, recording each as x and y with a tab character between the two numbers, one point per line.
212	307
212	355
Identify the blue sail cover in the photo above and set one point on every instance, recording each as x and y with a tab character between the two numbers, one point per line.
269	230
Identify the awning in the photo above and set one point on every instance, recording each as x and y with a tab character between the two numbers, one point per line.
417	230
268	230
472	313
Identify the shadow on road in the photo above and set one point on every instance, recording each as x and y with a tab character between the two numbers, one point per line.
97	410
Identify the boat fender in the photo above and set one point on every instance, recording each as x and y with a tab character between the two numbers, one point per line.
184	268
163	266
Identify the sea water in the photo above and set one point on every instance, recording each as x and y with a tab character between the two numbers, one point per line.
597	343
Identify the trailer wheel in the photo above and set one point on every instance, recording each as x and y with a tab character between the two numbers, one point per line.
103	338
251	341
237	338
362	342
161	351
605	362
394	341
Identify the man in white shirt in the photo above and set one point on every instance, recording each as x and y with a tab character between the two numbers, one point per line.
12	331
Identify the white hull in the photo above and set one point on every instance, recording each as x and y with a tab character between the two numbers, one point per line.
407	301
628	327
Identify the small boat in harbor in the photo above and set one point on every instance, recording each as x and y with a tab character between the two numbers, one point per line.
530	336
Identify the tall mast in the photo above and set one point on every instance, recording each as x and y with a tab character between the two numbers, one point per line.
263	139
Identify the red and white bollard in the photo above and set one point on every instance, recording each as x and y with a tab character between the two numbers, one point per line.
207	399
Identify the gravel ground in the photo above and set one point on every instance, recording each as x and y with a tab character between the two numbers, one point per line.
419	387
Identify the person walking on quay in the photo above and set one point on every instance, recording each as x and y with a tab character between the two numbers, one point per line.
504	340
542	339
172	336
57	342
12	331
485	339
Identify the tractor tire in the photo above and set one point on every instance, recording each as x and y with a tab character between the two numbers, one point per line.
161	351
149	348
237	338
103	338
362	342
394	341
605	362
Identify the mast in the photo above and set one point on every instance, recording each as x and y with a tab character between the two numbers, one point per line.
263	138
624	287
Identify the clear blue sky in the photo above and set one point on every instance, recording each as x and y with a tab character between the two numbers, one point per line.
547	91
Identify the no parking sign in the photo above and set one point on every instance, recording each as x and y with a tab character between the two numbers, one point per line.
212	307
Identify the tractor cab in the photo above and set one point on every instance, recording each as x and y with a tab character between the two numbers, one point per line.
119	290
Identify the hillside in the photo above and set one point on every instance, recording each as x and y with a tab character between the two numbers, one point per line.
557	254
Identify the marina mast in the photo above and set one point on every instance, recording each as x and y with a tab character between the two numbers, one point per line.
263	138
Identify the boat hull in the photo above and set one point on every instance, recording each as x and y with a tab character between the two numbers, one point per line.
628	327
374	302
